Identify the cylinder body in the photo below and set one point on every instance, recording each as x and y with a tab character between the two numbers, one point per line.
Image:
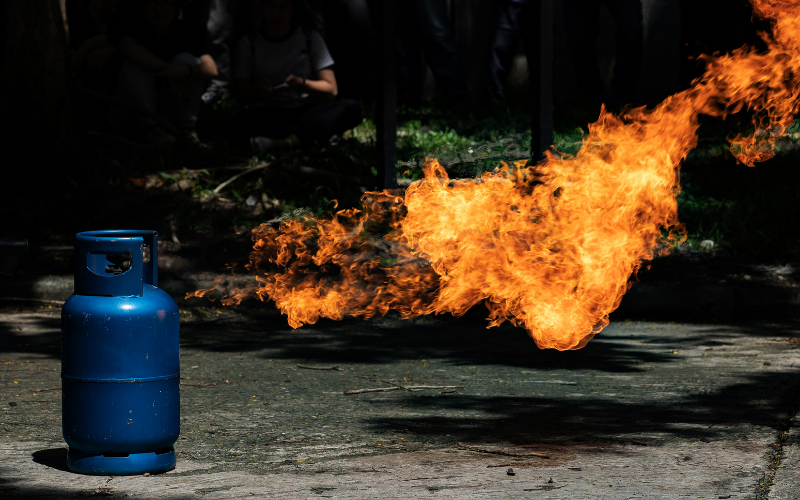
120	358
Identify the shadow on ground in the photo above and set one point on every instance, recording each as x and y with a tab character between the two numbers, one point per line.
705	417
55	458
11	489
35	334
464	340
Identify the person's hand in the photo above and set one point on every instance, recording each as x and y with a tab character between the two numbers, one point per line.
264	87
174	73
295	82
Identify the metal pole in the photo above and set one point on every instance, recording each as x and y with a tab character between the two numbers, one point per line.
541	79
386	103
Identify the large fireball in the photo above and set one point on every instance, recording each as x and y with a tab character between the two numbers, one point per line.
550	247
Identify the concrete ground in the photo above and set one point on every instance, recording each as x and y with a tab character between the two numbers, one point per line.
646	410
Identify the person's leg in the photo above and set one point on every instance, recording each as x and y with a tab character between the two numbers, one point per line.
627	15
582	32
407	59
136	86
350	37
440	48
322	122
503	45
220	26
185	110
364	43
529	15
269	128
263	121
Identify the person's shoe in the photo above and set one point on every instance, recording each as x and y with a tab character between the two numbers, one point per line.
159	138
209	96
261	145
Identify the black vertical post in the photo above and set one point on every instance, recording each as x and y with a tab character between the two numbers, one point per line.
541	78
386	103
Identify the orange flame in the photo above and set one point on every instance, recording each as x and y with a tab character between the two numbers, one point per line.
549	247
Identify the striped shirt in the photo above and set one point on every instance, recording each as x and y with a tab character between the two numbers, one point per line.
277	59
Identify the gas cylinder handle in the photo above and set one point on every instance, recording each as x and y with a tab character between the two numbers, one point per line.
128	276
150	271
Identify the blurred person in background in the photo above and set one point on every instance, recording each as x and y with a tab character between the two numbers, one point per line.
424	26
95	61
512	19
226	21
350	37
166	70
582	25
345	25
285	73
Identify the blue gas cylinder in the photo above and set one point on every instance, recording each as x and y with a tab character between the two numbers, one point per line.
119	358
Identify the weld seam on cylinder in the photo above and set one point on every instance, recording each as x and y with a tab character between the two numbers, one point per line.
120	380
